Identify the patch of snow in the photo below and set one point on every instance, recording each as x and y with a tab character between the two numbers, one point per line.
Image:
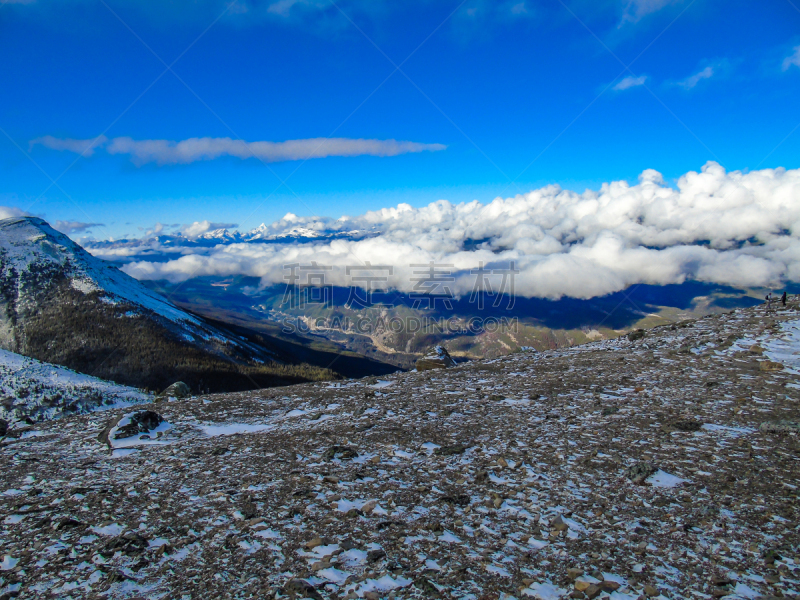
544	591
114	529
663	479
382	384
386	583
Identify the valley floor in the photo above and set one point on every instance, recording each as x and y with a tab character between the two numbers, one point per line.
665	467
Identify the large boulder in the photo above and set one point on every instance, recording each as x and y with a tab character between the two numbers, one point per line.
436	358
130	425
176	390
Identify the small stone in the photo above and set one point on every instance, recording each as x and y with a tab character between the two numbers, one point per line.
687	425
375	555
592	591
450	450
574	573
456	499
369	507
636	335
341	453
609	586
299	588
558	524
640	471
582	586
650	591
501	462
770	366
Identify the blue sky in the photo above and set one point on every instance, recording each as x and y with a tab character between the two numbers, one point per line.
496	97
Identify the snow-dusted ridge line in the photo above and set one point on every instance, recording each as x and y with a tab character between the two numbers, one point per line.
29	242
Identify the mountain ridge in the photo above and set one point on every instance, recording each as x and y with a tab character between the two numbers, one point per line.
60	304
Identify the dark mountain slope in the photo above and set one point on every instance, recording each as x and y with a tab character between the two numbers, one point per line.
61	305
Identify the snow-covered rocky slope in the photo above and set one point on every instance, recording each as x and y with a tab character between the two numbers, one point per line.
34	390
665	467
60	304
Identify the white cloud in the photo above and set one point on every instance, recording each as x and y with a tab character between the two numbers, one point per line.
692	81
629	82
737	228
198	228
8	212
71	227
85	147
792	59
167	152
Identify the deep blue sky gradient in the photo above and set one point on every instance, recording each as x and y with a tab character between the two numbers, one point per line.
506	86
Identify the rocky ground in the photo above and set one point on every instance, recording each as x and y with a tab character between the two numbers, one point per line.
665	466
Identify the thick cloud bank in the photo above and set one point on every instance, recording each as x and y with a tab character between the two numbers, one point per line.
739	229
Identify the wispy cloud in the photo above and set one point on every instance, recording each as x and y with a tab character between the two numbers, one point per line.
85	147
693	80
629	82
636	9
792	60
71	227
168	152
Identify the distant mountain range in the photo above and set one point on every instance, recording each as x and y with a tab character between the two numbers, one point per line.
125	250
60	304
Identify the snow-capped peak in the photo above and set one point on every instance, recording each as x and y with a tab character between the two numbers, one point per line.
29	245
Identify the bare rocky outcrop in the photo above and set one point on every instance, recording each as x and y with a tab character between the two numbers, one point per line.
437	358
